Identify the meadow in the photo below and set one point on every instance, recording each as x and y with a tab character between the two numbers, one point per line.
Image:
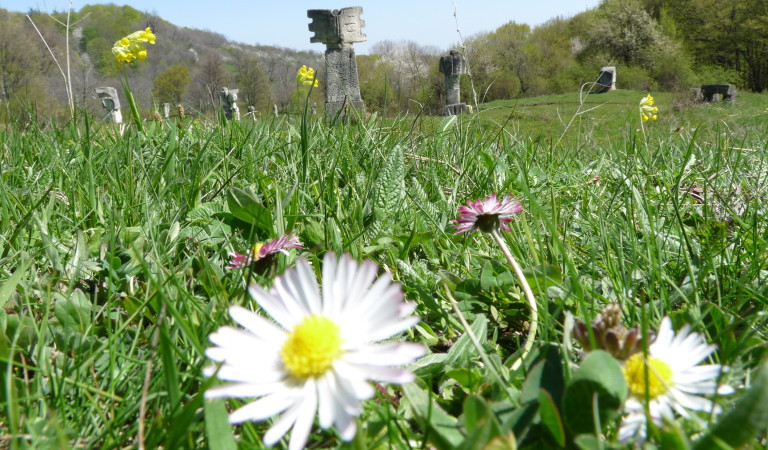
115	250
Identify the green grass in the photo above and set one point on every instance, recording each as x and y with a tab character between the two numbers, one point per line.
613	116
111	241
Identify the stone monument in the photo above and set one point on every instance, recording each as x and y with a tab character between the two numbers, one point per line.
166	110
696	95
111	103
338	29
453	66
252	112
727	91
229	103
606	81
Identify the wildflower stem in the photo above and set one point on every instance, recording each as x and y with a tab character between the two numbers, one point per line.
534	323
305	138
475	341
132	102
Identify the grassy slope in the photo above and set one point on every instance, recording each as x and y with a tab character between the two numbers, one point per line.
100	231
547	116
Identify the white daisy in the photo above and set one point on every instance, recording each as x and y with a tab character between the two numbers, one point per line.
320	351
674	380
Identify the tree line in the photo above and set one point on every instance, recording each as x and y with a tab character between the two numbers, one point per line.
655	45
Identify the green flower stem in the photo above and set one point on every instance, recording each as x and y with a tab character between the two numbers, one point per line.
476	342
132	103
305	138
534	323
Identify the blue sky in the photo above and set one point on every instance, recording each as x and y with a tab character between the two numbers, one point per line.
284	22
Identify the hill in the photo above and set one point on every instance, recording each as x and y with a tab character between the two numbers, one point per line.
656	45
212	60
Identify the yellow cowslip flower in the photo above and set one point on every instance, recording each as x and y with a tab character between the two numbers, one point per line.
132	46
306	76
647	110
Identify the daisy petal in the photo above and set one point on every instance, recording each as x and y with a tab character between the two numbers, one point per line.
319	355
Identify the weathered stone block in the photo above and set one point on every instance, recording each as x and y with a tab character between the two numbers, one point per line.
727	91
229	103
456	109
111	103
606	80
696	95
453	66
338	29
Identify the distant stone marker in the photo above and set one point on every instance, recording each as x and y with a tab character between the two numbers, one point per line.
338	29
697	95
453	66
111	102
166	110
606	81
727	91
229	103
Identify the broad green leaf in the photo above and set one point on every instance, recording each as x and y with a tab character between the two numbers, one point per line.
206	211
463	349
9	287
543	276
673	437
587	442
245	206
430	364
466	377
550	417
475	412
443	429
744	420
218	431
73	312
480	423
388	191
546	373
22	329
495	276
521	419
598	381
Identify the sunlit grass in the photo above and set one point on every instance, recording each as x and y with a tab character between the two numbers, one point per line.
114	252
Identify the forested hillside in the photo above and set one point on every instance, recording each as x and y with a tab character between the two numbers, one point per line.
655	45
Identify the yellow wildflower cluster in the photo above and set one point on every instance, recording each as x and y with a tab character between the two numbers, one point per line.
132	46
306	76
647	110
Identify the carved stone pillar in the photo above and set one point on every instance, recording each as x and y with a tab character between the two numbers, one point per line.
338	29
111	103
453	66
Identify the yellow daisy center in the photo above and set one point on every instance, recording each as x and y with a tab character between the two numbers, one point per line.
311	347
255	250
659	376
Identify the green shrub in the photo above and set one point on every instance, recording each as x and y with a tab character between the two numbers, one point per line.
718	75
633	77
